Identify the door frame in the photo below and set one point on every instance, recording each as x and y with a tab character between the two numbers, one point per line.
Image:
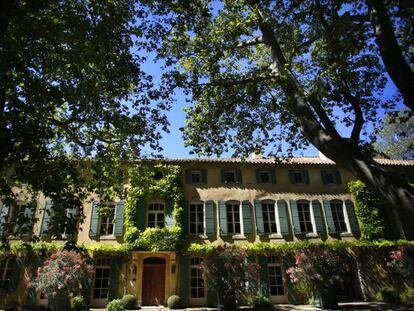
154	264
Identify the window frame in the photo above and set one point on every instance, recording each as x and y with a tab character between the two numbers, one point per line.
196	203
269	178
197	173
233	224
156	213
345	214
275	262
311	215
228	171
276	215
105	266
199	268
108	220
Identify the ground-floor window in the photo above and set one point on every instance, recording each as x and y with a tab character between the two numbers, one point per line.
101	279
196	278
5	270
275	276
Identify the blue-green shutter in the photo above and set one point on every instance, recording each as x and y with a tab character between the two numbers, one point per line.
223	176
4	212
44	228
305	175
247	218
184	216
295	216
169	218
337	176
353	221
223	217
141	216
209	215
239	176
264	276
329	217
93	227
184	280
119	219
317	214
259	217
204	176
15	274
114	278
323	177
283	218
272	176
187	176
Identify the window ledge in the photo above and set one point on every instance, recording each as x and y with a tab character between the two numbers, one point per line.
238	237
107	237
275	236
345	234
312	235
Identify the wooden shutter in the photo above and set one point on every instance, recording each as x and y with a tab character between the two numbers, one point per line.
329	218
27	228
187	176
169	218
17	265
295	216
283	219
114	278
141	215
184	280
239	176
323	177
209	217
353	221
259	217
292	177
264	276
272	176
317	213
247	223
4	212
44	228
258	177
93	226
223	176
305	175
337	176
223	217
119	218
184	217
204	176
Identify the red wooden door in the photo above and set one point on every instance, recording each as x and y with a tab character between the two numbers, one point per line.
153	284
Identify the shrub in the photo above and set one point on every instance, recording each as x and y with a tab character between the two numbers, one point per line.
387	294
129	301
259	300
407	296
115	305
77	303
174	302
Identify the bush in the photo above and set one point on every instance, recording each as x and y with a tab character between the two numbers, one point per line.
129	301
387	294
260	300
174	302
407	296
77	303
115	305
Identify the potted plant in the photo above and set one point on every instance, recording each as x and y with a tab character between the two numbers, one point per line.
322	270
60	276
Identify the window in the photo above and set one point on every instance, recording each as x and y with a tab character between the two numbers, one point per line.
106	220
233	218
6	266
230	176
101	280
275	276
264	176
305	217
297	177
197	218
156	215
269	217
338	216
329	177
196	278
196	176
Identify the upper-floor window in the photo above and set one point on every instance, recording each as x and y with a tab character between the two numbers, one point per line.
106	219
156	215
16	219
276	286
6	267
331	177
101	279
231	176
264	176
305	219
196	218
269	217
299	176
195	176
197	289
233	218
338	216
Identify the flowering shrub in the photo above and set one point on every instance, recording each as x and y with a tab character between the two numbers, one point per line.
402	262
318	268
62	274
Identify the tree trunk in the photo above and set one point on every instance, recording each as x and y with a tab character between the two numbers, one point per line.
398	69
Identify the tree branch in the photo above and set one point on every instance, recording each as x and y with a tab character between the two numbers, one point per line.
250	42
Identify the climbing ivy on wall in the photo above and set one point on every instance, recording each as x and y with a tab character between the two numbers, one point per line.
150	180
366	202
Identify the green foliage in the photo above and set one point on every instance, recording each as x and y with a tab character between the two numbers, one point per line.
98	249
407	295
387	294
153	180
115	305
77	303
174	302
129	301
259	300
367	212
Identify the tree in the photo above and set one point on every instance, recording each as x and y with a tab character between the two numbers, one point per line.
265	72
72	88
396	139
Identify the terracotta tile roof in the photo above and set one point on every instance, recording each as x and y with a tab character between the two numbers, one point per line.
295	160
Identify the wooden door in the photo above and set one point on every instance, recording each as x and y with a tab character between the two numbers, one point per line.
153	283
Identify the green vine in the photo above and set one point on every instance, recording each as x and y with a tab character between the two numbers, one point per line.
159	181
